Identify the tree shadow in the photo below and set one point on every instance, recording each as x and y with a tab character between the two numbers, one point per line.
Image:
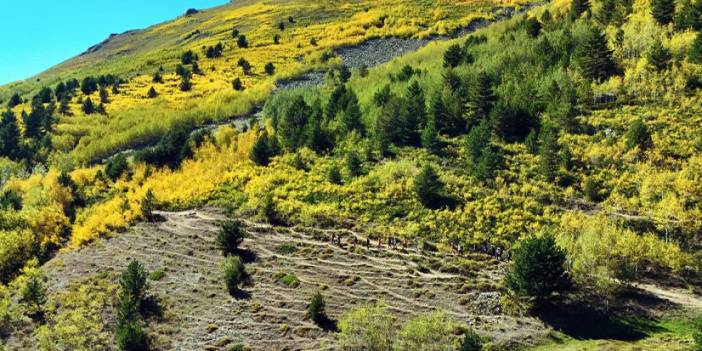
581	321
327	324
239	294
151	307
247	256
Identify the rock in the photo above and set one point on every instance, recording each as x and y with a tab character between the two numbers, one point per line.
191	12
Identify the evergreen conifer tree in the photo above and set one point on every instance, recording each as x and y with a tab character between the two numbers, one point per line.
663	11
594	56
659	56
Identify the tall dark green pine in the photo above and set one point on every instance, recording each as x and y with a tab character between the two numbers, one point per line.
430	136
351	117
687	17
480	100
453	56
88	106
14	100
9	136
416	113
64	106
607	11
659	56
548	153
429	188
639	136
577	8
695	53
490	160
292	126
594	56
663	11
478	139
35	121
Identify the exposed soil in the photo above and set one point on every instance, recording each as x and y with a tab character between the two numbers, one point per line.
199	313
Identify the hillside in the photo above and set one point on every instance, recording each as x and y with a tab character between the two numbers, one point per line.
469	175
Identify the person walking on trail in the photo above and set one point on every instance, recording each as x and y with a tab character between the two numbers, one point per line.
367	243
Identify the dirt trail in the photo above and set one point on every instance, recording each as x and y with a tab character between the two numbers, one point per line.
680	297
199	314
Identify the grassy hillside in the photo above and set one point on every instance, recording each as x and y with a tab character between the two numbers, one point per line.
565	142
132	119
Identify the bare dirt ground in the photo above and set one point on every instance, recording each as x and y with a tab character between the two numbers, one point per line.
199	313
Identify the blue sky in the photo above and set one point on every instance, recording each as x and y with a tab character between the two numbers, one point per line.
37	34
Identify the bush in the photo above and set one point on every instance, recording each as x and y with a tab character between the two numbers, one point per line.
34	296
697	334
538	268
354	166
234	273
429	188
269	68
230	236
639	135
236	84
471	341
369	327
88	107
334	175
148	205
242	42
131	337
315	310
151	93
116	166
432	331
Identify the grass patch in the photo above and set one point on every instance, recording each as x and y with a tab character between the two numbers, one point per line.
286	249
157	275
287	279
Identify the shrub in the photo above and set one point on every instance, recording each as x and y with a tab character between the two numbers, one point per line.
116	166
148	205
131	337
236	84
432	331
697	334
453	56
245	65
369	327
538	268
242	42
234	273
230	236
334	175
354	166
471	341
151	93
315	310
185	84
88	106
429	188
157	274
133	281
34	296
157	78
313	42
639	136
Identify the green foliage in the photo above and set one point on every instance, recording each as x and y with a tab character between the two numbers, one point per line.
430	136
594	57
234	273
344	74
293	123
695	53
133	281
269	68
230	236
10	137
188	57
334	175
315	309
429	332
88	85
477	140
639	136
15	100
369	327
245	65
131	337
429	188
88	106
104	96
116	166
148	205
151	93
659	56
471	341
697	334
157	275
532	142
185	83
491	159
264	149
577	8
538	268
34	296
354	166
549	150
241	41
663	11
170	151
689	15
157	78
453	56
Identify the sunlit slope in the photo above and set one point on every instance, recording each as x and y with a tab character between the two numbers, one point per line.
307	32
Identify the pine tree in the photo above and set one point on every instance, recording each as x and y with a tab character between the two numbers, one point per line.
430	136
663	11
577	8
695	53
9	136
235	33
88	106
230	236
659	56
481	99
344	74
196	69
354	166
488	163
429	188
151	93
88	86
133	282
276	39
689	15
548	153
245	65
131	337
334	175
351	116
639	136
453	56
187	58
148	205
157	78
241	42
477	140
269	68
104	96
100	109
236	84
315	310
15	100
293	122
416	113
34	295
538	268
594	56
234	273
185	84
607	11
261	153
532	142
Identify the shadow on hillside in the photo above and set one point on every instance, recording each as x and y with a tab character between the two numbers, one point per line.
239	294
579	320
247	256
327	324
151	307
